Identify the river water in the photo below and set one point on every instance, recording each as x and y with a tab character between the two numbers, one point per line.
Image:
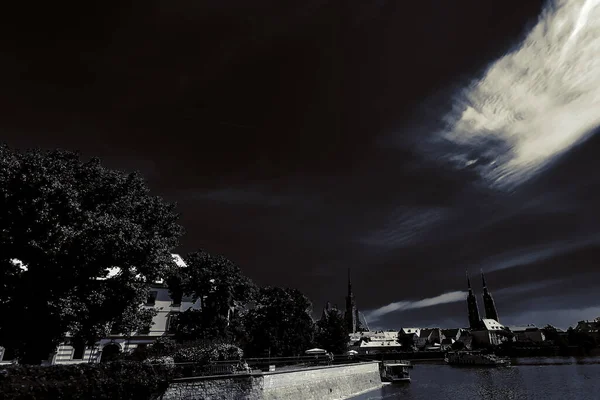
562	378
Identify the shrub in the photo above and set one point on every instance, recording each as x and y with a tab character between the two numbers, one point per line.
199	352
115	380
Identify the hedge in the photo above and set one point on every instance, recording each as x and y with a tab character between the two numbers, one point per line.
115	380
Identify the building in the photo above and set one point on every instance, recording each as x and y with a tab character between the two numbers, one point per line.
485	331
158	298
491	333
410	331
491	313
451	336
375	342
589	327
528	333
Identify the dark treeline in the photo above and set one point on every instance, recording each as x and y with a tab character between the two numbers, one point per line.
65	222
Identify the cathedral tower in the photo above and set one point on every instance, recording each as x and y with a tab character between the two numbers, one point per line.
474	320
488	302
351	311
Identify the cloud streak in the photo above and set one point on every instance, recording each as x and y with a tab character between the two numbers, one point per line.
536	253
400	306
405	227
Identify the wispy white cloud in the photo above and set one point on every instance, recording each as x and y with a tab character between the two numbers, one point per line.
400	306
526	288
405	227
532	104
534	254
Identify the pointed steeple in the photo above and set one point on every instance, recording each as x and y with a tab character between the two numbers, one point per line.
349	283
472	306
468	281
488	301
483	280
351	314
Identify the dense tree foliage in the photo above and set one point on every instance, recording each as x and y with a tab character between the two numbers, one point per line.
332	332
116	380
280	323
68	222
224	293
583	340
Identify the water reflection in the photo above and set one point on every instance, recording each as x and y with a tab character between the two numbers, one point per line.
564	378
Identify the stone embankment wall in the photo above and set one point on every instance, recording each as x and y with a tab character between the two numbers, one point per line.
327	383
322	383
228	387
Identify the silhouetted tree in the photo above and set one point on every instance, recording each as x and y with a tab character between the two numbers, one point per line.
583	340
552	334
332	332
68	222
224	293
280	323
458	345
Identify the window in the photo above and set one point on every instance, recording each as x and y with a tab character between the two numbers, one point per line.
78	351
172	322
151	300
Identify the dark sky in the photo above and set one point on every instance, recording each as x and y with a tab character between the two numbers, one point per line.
304	138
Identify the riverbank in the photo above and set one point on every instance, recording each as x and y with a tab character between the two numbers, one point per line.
316	383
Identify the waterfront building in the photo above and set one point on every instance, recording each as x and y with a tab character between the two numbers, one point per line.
528	333
159	298
589	327
375	342
491	332
451	336
410	331
488	330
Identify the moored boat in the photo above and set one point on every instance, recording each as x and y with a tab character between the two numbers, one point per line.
475	358
394	371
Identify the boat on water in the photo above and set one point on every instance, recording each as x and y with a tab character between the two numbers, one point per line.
475	358
394	371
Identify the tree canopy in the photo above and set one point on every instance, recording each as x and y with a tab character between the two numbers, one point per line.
280	323
68	222
332	332
224	293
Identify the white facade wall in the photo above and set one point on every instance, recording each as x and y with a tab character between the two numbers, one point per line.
160	324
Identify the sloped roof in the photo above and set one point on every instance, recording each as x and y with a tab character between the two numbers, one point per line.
451	333
379	343
523	328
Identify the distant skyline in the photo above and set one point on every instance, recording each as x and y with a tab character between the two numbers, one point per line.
408	142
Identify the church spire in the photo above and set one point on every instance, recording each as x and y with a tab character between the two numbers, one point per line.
349	283
468	281
472	307
488	301
351	311
483	280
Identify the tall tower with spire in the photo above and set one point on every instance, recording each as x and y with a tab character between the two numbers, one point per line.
488	302
351	311
474	320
